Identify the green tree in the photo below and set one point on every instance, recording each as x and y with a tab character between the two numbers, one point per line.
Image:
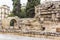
16	7
23	13
11	15
30	8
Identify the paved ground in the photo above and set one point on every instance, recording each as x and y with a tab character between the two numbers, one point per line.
12	37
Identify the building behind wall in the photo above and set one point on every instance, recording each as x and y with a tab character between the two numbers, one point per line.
4	12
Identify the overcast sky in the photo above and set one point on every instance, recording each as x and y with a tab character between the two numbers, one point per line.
9	2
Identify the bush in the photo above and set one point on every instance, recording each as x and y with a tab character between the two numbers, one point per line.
11	15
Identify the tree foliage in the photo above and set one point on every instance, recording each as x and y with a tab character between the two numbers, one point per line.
30	8
16	7
23	13
28	12
11	15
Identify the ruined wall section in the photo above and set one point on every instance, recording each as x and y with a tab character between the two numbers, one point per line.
50	13
48	10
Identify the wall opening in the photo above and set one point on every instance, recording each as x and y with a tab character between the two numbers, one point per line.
13	22
43	28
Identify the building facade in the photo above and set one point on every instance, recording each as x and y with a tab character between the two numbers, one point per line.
4	12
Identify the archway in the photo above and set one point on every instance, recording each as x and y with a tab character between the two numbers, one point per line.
13	22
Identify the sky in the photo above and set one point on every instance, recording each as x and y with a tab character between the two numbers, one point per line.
9	2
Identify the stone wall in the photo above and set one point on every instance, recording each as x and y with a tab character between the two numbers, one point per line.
50	12
6	22
29	24
46	19
23	24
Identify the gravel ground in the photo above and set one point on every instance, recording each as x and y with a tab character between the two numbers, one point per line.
15	37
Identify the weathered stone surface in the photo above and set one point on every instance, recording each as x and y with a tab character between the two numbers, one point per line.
48	8
46	19
50	12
